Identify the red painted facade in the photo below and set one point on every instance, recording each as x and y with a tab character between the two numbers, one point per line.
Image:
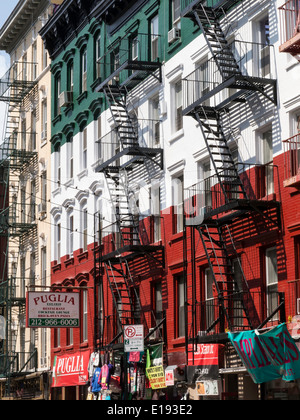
252	236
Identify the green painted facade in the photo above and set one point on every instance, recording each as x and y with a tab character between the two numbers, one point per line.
87	106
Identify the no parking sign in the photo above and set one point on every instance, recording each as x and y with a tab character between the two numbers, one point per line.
133	338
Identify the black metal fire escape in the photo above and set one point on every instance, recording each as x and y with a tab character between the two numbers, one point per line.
234	201
126	157
17	222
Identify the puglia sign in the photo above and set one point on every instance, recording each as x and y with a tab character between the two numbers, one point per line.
52	310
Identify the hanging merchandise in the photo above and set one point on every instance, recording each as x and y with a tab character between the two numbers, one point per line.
105	376
95	385
93	363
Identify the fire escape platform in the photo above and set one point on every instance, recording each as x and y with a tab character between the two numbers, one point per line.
130	252
246	85
292	46
221	7
231	211
140	69
139	153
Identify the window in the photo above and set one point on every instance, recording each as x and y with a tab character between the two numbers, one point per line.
175	14
98	135
23	134
24	68
134	48
70	243
155	212
209	298
44	121
32	269
84	226
44	192
84	149
57	162
154	38
57	94
44	265
272	281
158	302
70	76
178	106
58	241
178	201
23	279
267	139
180	305
44	57
98	56
155	123
264	40
34	61
202	85
33	131
204	176
70	155
33	201
238	287
23	205
83	71
84	316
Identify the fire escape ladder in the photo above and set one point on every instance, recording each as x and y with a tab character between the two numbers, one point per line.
216	41
124	123
127	224
208	20
220	153
233	292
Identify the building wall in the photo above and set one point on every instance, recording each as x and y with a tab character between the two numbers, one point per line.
35	121
184	152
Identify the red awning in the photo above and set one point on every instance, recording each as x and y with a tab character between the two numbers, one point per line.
71	369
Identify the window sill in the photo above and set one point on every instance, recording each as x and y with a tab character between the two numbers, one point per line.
176	136
56	119
82	174
180	341
82	96
82	256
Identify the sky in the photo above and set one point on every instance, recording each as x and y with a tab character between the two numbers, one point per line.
6	7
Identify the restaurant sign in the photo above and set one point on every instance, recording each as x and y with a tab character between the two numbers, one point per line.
52	310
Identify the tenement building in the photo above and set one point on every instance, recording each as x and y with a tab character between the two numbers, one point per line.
25	155
174	194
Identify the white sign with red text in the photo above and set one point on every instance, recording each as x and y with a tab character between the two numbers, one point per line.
133	338
52	310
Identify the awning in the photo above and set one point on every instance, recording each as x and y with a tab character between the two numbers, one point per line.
71	369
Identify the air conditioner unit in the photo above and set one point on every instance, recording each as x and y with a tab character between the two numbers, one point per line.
156	335
42	208
65	99
173	35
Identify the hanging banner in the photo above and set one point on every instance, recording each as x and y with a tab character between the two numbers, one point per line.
268	356
156	354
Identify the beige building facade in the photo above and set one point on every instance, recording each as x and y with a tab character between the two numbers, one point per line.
26	149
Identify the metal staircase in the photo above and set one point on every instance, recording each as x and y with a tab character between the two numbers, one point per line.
210	99
17	227
220	153
125	244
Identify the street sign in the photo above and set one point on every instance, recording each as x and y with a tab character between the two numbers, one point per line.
133	338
